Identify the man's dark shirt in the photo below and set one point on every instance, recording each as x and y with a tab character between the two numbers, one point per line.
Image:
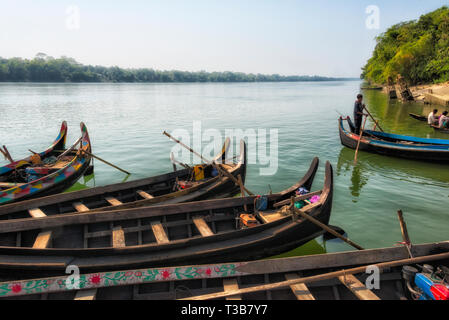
358	110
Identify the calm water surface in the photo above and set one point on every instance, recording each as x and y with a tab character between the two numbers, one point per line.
126	122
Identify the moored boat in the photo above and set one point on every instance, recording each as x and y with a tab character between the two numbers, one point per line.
175	187
432	150
193	281
438	129
418	117
51	171
245	228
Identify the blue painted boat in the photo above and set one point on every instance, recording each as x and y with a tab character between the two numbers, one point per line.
433	150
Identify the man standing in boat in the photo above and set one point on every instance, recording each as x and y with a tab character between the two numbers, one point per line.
358	113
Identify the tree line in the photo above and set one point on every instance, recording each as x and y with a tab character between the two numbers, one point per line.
418	50
44	68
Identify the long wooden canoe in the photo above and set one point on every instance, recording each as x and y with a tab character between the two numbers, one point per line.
184	282
438	129
432	150
197	232
139	193
23	180
418	117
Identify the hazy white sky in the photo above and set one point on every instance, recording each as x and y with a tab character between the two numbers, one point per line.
328	38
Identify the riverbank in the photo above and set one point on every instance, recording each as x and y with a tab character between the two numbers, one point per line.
435	94
432	93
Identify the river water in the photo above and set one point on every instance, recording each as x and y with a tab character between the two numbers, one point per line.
126	121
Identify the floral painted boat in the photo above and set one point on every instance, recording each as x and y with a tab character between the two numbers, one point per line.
191	281
48	172
155	190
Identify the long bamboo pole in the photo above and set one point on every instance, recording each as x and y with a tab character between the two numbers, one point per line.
219	169
102	160
326	228
360	139
7	154
404	231
375	121
321	277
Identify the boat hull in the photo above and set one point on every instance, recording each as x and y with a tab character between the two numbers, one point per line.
350	140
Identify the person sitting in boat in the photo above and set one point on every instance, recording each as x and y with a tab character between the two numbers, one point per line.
444	120
358	113
432	119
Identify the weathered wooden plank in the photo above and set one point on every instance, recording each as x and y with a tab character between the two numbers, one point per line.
353	284
300	290
202	227
86	294
159	233
231	285
80	207
113	201
42	240
144	195
37	213
118	238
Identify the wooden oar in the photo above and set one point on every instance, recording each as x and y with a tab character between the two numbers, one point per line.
6	154
375	121
360	139
219	169
174	162
66	152
404	231
324	227
102	160
321	277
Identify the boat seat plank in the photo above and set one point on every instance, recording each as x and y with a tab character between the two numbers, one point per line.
113	201
159	233
356	287
144	194
268	217
37	213
118	238
42	240
231	285
86	294
202	227
300	290
80	207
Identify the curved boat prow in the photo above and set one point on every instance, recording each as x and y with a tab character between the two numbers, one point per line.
60	142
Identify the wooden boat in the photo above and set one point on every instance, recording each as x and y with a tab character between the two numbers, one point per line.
167	235
418	117
139	193
187	282
441	130
435	127
51	171
432	150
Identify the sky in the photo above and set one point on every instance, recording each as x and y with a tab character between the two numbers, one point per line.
288	37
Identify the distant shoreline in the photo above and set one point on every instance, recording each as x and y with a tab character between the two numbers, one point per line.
44	69
177	82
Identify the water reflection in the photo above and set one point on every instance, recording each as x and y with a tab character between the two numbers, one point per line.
359	176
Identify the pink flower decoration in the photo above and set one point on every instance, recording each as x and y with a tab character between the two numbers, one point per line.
16	288
166	274
208	271
96	279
